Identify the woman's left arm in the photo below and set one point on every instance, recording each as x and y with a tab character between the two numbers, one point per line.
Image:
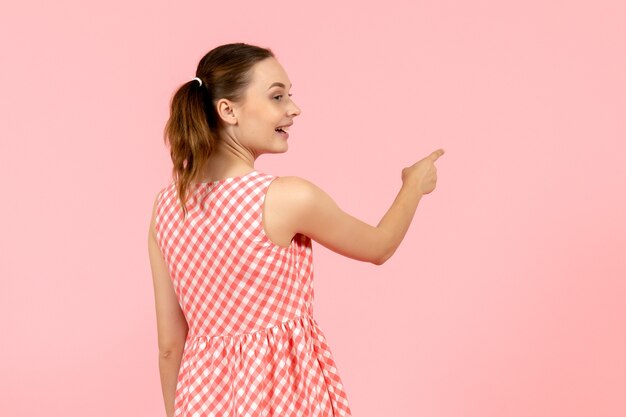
172	326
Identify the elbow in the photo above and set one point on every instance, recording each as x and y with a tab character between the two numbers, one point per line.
385	251
171	348
381	259
170	352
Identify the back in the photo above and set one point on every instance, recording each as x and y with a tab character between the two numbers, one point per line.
253	346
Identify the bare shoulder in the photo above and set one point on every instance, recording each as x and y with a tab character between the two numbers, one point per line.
294	195
293	187
285	202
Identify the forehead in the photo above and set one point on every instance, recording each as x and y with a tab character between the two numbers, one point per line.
268	72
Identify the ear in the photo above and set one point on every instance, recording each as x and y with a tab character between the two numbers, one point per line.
226	111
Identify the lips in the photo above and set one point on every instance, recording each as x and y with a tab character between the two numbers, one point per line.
284	128
282	131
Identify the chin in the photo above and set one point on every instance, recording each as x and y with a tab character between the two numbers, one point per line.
282	145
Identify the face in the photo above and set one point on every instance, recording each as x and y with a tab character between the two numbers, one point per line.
267	105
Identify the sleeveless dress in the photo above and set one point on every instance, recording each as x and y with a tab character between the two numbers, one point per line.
253	348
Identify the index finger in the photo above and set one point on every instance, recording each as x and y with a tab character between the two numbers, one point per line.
435	155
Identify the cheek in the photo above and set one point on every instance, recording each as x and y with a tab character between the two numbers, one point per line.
260	117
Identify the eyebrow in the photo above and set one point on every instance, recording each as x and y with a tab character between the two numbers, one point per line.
279	84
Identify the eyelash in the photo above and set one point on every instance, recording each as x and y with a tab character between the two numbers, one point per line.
282	95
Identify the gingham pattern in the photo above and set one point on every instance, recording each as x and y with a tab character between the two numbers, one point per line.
253	348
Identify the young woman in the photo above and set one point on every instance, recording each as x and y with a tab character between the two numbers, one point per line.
231	249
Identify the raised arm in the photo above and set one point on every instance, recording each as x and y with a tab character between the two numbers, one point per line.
307	209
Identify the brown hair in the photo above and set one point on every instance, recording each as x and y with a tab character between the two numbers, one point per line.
192	128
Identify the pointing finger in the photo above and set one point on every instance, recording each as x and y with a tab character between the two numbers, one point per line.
435	155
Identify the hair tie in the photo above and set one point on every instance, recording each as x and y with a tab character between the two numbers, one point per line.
199	80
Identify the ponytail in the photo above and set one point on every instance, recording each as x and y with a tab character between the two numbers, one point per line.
191	140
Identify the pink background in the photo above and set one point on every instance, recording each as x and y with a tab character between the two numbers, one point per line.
507	296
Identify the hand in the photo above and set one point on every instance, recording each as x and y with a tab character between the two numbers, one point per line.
423	174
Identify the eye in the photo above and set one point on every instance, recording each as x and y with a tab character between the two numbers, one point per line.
282	95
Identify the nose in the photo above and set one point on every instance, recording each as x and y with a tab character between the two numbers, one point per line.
295	110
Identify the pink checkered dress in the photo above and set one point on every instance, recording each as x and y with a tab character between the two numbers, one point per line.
253	347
